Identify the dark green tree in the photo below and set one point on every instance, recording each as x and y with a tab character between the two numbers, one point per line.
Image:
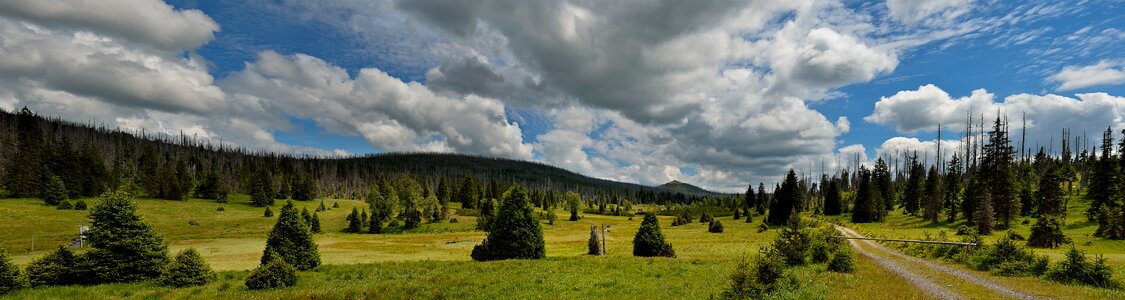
933	195
354	223
25	167
763	199
292	240
55	191
786	200
1104	180
515	233
208	188
274	273
998	172
124	247
715	227
60	267
314	226
261	190
952	182
749	201
912	198
10	279
268	213
187	269
881	175
832	203
487	214
469	193
649	240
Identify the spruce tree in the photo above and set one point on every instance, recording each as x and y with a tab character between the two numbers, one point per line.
749	200
1104	180
10	279
997	171
763	200
933	195
515	233
881	176
55	191
354	224
25	166
268	213
912	198
124	247
292	240
187	269
649	241
60	267
275	272
314	226
261	191
786	200
952	201
868	206
832	203
469	193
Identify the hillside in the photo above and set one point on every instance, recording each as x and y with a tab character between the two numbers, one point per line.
87	158
676	186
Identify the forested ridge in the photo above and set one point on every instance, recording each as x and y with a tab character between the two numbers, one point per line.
89	160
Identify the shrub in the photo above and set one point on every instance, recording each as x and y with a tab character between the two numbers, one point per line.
80	205
819	252
292	240
754	279
55	191
273	274
220	209
792	244
187	269
1075	269
1047	233
1006	258
515	233
715	227
57	268
10	279
64	204
454	220
125	247
964	230
763	227
843	261
268	213
649	241
1015	236
335	204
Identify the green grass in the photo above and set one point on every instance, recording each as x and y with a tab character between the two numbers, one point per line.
433	261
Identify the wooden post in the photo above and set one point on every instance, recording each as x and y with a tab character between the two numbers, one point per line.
604	250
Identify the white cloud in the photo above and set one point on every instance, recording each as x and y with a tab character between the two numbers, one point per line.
1101	73
914	11
150	22
927	107
391	114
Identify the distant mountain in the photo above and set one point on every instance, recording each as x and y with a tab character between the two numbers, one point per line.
675	186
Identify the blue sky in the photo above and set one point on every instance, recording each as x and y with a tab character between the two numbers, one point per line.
716	94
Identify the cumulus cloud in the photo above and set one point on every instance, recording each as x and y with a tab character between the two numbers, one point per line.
391	114
150	22
1102	73
922	109
914	11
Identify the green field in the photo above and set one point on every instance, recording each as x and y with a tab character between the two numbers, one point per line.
433	261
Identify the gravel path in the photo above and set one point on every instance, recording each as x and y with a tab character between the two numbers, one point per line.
928	286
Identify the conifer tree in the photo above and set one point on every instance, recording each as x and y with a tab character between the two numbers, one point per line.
912	198
56	268
1104	180
573	203
486	214
649	241
786	200
953	188
268	213
261	191
933	195
306	216
881	176
187	269
10	279
354	224
762	198
124	247
515	233
868	206
363	219
832	203
55	191
997	170
275	272
984	214
749	200
469	193
25	167
315	225
292	240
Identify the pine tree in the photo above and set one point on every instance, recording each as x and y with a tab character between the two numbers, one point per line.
10	279
469	193
306	216
268	213
997	170
208	188
486	214
763	199
261	191
363	219
55	191
787	198
832	203
275	272
354	224
868	206
912	199
187	269
649	241
933	195
515	233
292	240
1104	180
953	188
314	226
749	200
882	180
124	247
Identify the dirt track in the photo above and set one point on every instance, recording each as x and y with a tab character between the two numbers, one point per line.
882	256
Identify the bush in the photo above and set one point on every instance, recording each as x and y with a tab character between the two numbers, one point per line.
1075	269
1006	258
64	204
515	233
125	247
820	252
273	274
649	241
268	213
291	238
843	261
187	269
454	220
80	205
964	230
763	227
220	209
792	244
57	268
1047	233
10	279
715	227
754	279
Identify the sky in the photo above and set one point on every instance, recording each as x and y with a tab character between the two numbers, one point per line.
720	94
